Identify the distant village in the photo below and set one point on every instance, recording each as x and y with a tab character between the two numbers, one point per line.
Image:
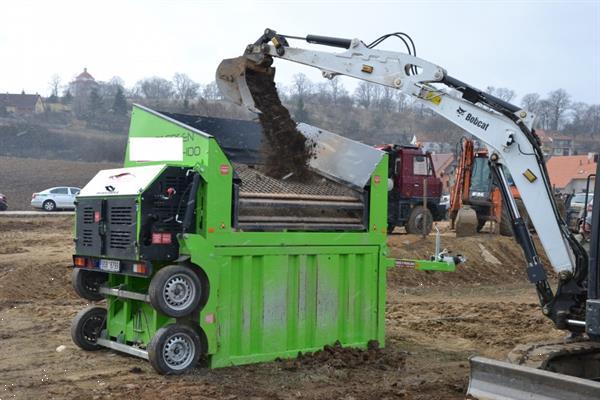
568	170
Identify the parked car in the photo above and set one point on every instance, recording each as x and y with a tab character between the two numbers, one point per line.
3	202
55	198
575	209
578	200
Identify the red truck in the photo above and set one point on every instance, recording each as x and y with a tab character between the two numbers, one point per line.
411	173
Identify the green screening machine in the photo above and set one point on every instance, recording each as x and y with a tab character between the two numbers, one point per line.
201	256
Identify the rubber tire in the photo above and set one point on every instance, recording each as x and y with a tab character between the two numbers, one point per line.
49	203
505	224
78	324
156	348
157	286
80	279
412	224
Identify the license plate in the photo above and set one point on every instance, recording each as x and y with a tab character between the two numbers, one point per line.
110	265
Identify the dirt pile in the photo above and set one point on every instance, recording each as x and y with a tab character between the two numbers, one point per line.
491	259
35	266
339	357
286	151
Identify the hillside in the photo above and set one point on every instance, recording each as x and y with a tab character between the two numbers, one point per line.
20	177
32	139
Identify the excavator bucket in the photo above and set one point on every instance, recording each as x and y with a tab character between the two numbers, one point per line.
466	222
231	80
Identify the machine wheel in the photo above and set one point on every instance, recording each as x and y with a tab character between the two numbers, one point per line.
505	224
175	290
420	217
87	283
86	327
174	349
49	205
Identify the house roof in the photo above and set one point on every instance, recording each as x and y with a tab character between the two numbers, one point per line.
546	136
441	161
24	101
564	169
84	76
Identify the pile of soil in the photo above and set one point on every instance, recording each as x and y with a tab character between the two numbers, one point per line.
339	357
286	151
491	260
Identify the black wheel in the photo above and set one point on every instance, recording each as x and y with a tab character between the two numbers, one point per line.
420	221
175	290
505	226
49	205
87	283
390	228
86	327
174	349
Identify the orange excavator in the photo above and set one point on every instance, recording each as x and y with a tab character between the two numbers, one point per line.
475	199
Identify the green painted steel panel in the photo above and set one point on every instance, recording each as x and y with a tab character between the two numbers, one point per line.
275	305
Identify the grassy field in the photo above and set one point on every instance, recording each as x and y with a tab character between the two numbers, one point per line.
20	177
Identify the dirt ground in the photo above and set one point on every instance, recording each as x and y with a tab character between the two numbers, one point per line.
434	322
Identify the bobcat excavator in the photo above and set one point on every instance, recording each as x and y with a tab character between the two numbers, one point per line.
574	303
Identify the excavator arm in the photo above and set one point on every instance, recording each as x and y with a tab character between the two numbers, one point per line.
506	129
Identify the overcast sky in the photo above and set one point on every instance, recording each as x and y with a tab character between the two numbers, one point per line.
528	46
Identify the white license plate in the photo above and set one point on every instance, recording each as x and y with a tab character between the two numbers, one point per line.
110	265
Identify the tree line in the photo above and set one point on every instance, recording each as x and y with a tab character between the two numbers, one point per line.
369	112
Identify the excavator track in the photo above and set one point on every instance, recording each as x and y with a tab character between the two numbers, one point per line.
578	358
549	370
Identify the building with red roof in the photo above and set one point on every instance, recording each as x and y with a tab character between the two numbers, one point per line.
569	174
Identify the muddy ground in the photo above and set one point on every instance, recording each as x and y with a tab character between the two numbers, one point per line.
434	322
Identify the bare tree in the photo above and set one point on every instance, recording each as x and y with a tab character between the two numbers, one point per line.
54	85
559	102
505	94
386	99
544	110
210	92
502	93
337	90
185	88
155	89
301	86
117	81
530	102
364	94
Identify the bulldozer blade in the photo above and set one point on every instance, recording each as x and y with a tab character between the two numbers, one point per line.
466	222
497	380
231	80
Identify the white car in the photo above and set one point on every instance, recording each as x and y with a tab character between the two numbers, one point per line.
62	197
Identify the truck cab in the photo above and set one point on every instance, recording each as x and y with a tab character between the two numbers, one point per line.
414	189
